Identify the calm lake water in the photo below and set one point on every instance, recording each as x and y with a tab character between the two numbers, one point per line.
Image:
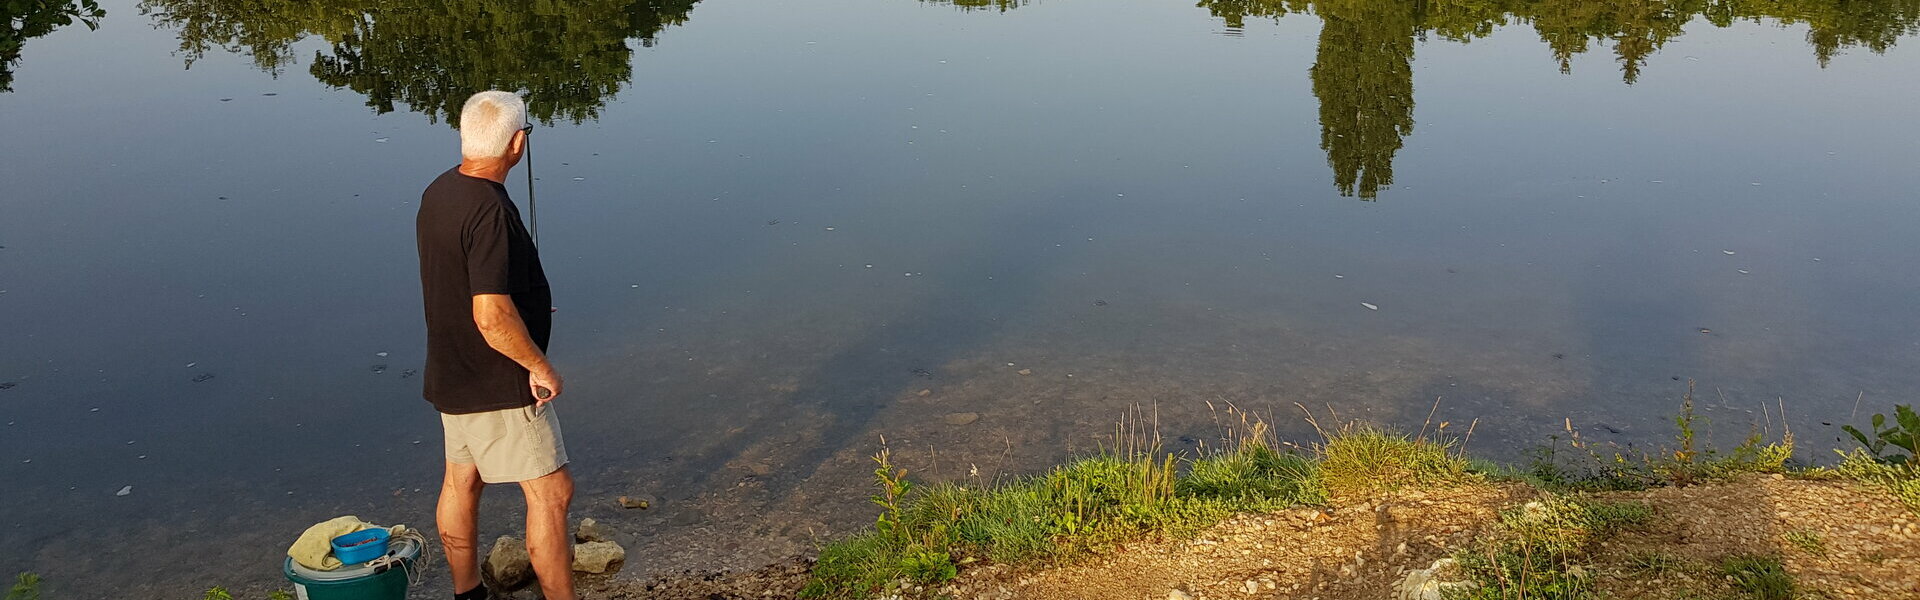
779	230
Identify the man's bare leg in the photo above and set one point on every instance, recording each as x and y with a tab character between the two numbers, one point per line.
548	541
458	516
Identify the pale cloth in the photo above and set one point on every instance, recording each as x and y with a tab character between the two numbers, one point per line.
314	549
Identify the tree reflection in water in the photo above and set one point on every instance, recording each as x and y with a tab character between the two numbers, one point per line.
428	55
1363	73
21	20
572	57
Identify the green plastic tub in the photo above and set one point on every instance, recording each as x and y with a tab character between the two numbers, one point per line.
357	582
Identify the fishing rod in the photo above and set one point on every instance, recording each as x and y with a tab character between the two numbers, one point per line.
533	211
533	217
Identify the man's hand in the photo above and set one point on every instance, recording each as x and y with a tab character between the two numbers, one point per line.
499	322
545	379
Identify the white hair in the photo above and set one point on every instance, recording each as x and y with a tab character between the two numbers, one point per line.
488	122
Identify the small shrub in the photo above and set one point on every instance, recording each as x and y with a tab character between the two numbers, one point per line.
1903	435
217	593
1759	577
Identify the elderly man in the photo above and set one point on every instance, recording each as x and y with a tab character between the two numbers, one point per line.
488	317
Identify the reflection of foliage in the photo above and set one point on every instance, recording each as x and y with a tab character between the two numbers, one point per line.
972	5
429	55
1363	72
27	19
1363	76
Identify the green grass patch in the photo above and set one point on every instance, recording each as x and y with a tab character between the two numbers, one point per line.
1538	549
1571	463
26	586
1655	562
924	533
1759	577
1807	541
1360	460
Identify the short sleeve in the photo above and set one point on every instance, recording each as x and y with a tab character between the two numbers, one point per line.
489	248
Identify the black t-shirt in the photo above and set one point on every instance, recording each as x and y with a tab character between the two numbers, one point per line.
472	242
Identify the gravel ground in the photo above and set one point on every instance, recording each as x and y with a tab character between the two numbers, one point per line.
1839	539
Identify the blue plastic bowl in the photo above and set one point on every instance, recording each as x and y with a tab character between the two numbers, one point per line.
361	546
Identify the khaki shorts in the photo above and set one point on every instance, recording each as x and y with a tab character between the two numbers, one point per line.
510	445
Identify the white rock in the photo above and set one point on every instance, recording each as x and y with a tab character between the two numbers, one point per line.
1435	582
1178	595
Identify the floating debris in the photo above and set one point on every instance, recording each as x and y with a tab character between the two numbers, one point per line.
379	140
829	229
1705	330
192	364
1025	371
380	354
408	373
378	369
124	491
923	373
1339	276
1727	252
201	378
1369	306
771	222
579	179
1744	271
1099	303
7	385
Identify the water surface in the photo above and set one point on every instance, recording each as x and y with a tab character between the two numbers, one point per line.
780	230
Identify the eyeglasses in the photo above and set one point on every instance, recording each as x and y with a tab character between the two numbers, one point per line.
527	130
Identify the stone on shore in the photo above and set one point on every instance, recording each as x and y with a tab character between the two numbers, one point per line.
508	565
1442	579
599	557
591	531
965	418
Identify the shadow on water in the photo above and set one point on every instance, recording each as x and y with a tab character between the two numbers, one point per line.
840	397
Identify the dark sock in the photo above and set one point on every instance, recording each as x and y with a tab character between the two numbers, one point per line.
479	592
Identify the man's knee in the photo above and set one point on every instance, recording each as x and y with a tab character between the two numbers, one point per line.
551	490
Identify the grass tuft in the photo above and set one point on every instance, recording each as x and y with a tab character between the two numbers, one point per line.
26	586
1360	459
1807	541
1539	549
1759	577
1088	505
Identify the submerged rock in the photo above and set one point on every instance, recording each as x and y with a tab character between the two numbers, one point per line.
599	557
965	418
508	566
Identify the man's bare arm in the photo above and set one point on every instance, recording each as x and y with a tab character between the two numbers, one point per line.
499	322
